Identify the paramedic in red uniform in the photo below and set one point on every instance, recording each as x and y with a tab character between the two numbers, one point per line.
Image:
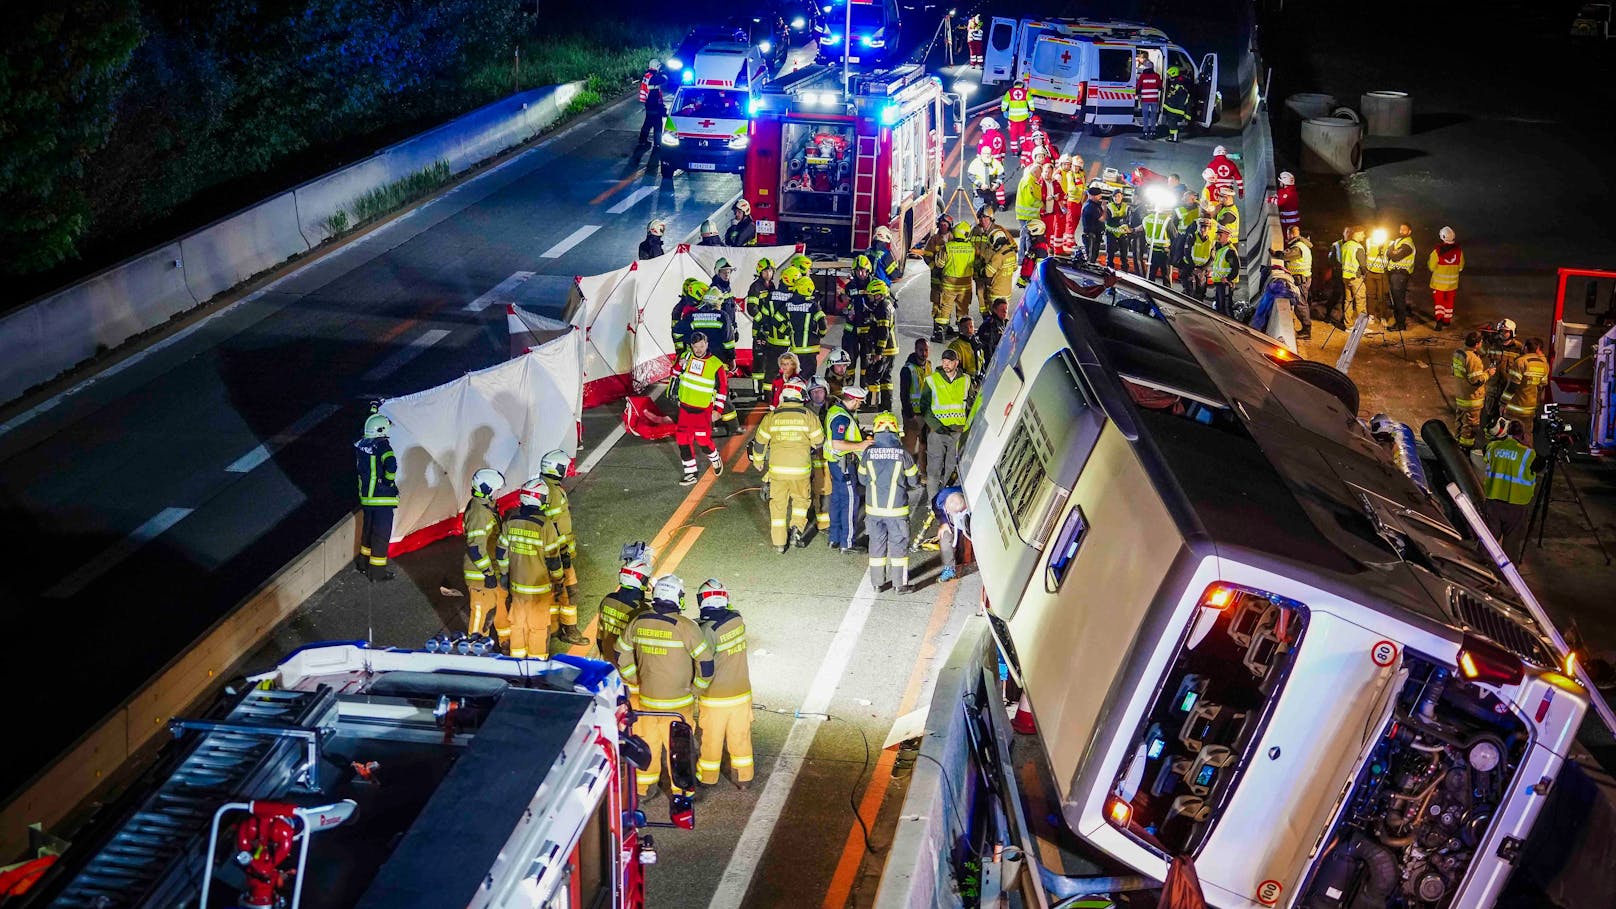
1290	205
1149	87
1016	109
703	389
974	39
993	138
1226	172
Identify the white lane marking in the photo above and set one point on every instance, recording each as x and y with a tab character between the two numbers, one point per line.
281	439
119	551
503	292
396	362
630	199
748	854
571	240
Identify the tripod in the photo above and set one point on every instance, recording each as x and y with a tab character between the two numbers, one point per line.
1559	452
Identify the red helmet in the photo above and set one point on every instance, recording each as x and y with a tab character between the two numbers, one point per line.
1036	121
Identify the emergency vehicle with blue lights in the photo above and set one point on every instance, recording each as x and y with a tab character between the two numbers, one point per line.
708	118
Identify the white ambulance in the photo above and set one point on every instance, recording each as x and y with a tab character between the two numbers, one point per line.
1086	68
711	112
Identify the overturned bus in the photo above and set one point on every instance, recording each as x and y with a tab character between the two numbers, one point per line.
1248	631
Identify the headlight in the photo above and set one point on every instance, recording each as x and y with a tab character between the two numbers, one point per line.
765	47
669	138
799	23
831	38
869	41
739	143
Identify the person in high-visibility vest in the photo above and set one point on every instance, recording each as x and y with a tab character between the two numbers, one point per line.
664	653
1185	215
983	236
726	698
1200	249
1377	289
844	440
959	264
1016	108
619	607
1354	261
377	467
1176	103
785	448
1445	263
911	383
1499	349
946	404
935	255
1527	376
1117	243
999	270
1148	86
987	177
480	522
1037	251
890	478
1029	202
529	558
1223	274
702	388
1299	262
880	343
1073	190
1472	374
975	40
1510	487
1399	266
1160	230
558	508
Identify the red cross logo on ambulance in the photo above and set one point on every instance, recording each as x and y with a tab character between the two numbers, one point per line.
1066	57
705	124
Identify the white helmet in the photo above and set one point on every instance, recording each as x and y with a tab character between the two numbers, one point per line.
1446	234
377	426
883	234
656	226
839	357
711	594
1209	175
742	206
707	228
669	589
655	64
1286	178
856	392
554	464
989	123
792	390
818	383
634	574
534	492
1219	151
486	482
1507	325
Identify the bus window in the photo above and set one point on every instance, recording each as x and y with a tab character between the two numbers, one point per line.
1115	65
818	160
1046	448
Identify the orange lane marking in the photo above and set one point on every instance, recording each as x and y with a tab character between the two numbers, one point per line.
680	550
1105	145
688	506
841	883
617	187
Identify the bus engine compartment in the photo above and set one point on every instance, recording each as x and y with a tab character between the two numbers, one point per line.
1424	799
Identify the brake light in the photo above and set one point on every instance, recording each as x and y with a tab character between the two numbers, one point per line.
1082	91
1118	812
1218	596
1481	661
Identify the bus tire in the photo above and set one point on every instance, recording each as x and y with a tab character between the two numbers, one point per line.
1328	379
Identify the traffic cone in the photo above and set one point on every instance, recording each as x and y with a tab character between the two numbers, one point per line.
1023	722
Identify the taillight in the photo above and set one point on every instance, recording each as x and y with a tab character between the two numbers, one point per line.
1082	91
1483	661
1118	812
1218	596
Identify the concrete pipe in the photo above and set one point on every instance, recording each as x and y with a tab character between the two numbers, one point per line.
1332	145
1307	105
1387	113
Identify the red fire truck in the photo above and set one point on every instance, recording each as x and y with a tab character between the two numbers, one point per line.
825	167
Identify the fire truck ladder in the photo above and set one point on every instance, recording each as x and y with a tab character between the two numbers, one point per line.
863	192
152	857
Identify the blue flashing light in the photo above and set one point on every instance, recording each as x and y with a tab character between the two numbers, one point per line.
889	114
865	40
753	106
831	39
687	77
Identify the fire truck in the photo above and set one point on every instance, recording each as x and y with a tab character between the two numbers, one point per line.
357	776
825	167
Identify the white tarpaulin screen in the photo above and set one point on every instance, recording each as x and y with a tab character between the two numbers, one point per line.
506	417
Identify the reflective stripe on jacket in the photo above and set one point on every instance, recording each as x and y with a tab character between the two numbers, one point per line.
1510	474
889	475
480	521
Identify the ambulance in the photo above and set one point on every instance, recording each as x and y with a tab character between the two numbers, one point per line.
1085	69
708	119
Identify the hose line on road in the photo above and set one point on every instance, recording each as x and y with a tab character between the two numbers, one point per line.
853	791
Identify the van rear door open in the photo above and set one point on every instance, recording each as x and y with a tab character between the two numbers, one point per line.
1206	90
1055	76
999	58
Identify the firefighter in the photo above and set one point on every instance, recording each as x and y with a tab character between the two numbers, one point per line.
480	520
880	343
377	467
558	508
726	698
652	87
1445	263
993	139
838	371
742	231
1176	103
975	41
691	293
1472	374
709	234
880	253
1290	204
854	307
723	272
757	304
1299	263
983	235
890	479
1092	219
1527	376
805	320
1117	243
911	382
844	439
703	390
1037	249
959	268
1223	274
1511	485
1148	87
1160	230
1399	267
785	448
776	326
619	607
529	556
992	330
1029	206
1499	350
1185	215
666	655
1016	109
987	177
999	272
946	401
818	403
1199	249
1354	262
651	246
935	255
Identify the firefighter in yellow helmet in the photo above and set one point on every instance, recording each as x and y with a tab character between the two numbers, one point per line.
530	557
558	508
726	698
880	342
480	520
377	467
890	479
785	448
666	655
959	264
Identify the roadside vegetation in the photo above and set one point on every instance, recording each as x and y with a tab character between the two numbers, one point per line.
126	122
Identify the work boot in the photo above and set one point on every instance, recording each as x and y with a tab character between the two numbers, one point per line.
906	588
571	635
784	547
381	573
938	335
743	785
718	468
689	479
361	563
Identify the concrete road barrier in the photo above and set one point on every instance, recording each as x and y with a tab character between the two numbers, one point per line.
1387	113
233	249
1332	145
77	774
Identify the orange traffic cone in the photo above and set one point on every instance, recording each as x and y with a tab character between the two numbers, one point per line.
1023	722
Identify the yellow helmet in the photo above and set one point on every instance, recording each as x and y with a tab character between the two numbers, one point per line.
788	275
887	421
803	285
962	231
862	261
764	265
877	288
803	263
694	287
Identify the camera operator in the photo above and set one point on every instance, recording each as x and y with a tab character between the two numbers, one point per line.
1510	484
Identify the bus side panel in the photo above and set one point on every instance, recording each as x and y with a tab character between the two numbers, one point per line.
761	179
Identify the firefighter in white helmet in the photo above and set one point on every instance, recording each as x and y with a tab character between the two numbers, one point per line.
666	655
480	520
377	467
530	558
726	698
558	508
651	246
619	607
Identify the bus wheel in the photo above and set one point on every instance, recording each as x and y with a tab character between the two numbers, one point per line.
1326	378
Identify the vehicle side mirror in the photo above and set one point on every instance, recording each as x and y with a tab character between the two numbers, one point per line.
682	755
636	751
682	812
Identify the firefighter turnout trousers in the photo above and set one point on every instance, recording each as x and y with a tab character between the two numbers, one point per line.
726	727
655	731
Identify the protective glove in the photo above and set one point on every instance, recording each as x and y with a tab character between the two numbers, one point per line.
490	581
